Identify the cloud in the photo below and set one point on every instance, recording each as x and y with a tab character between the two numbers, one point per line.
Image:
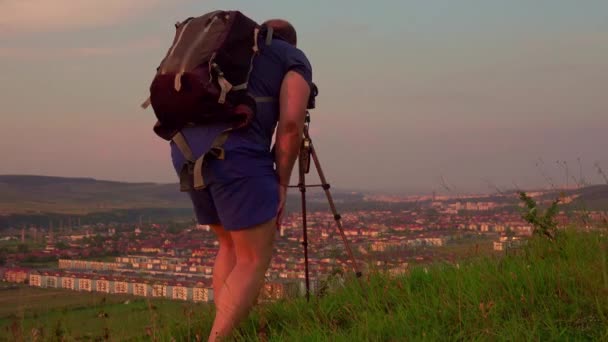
38	53
26	16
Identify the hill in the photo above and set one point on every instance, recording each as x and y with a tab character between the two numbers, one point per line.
39	194
20	194
592	198
38	199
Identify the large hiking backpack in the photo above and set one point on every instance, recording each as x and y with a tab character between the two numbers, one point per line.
204	79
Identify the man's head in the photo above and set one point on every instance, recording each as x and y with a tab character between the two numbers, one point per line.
284	29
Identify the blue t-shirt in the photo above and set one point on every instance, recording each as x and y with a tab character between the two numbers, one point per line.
248	151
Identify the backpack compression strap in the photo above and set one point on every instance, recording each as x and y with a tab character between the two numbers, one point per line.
187	170
226	86
193	169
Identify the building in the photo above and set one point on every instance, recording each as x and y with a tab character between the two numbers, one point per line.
499	245
67	282
140	289
50	279
278	290
16	275
435	241
88	265
85	283
159	290
504	243
35	279
179	292
102	285
200	294
120	287
185	290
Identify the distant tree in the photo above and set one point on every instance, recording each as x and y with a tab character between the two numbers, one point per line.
509	232
544	223
30	258
98	241
22	248
176	228
432	213
61	245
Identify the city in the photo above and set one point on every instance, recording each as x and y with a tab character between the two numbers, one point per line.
176	261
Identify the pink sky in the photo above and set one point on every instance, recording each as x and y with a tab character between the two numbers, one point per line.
409	92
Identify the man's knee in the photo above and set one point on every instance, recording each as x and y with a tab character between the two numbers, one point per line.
223	236
254	246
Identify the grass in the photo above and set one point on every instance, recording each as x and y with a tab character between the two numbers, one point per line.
39	264
547	291
465	248
27	311
550	291
105	258
12	245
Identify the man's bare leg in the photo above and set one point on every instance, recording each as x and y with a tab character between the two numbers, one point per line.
253	249
225	260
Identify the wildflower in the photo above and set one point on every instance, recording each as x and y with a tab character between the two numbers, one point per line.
485	308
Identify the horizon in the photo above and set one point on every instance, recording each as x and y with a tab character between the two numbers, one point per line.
442	192
487	94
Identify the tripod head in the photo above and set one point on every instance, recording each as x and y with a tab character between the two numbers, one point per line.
314	91
305	148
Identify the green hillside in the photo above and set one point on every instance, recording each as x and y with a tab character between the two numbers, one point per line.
38	200
592	198
41	194
547	292
34	194
544	291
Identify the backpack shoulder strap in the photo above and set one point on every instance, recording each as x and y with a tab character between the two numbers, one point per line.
182	145
269	35
265	99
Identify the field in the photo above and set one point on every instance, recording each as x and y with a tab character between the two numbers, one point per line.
88	316
461	249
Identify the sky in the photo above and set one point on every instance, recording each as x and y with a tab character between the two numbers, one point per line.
415	96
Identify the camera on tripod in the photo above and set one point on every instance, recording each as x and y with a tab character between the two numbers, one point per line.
308	152
314	91
305	148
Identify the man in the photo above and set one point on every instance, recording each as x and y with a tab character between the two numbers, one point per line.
245	193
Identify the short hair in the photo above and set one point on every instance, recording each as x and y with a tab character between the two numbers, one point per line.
283	29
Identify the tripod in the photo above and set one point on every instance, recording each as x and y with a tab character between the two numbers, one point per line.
306	151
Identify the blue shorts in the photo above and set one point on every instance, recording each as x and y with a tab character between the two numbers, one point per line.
240	204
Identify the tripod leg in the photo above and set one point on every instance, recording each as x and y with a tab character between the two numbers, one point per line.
337	216
302	186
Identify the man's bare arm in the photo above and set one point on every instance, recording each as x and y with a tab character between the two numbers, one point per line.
293	102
